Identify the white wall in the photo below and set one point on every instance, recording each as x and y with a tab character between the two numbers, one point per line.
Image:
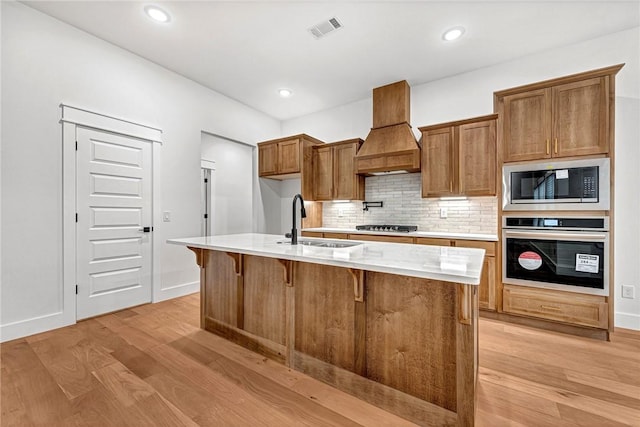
268	204
471	94
627	211
231	198
46	62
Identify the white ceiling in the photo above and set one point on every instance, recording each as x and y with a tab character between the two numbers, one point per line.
248	50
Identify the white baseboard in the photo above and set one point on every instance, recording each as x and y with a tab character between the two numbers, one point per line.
177	291
627	321
24	328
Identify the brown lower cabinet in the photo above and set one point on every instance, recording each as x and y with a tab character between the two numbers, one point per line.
578	312
487	286
488	280
566	307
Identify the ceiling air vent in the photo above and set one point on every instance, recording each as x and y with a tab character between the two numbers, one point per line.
322	29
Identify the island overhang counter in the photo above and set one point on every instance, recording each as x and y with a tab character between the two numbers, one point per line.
393	324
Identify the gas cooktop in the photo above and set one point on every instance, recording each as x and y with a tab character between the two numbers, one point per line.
393	228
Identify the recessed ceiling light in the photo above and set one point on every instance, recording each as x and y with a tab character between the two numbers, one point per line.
285	93
157	14
453	34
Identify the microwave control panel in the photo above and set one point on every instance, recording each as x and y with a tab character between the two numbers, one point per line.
590	183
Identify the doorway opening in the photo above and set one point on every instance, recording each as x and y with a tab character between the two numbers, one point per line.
227	194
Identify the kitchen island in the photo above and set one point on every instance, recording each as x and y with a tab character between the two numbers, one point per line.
393	324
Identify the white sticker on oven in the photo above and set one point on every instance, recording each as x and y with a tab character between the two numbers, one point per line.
562	174
587	263
530	260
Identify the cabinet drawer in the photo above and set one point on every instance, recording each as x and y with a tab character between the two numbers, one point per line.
336	235
311	234
577	309
375	238
432	241
489	247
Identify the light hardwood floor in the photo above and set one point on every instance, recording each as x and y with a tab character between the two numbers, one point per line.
152	366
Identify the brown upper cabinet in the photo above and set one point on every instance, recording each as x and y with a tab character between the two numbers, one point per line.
284	157
334	173
459	158
565	117
289	157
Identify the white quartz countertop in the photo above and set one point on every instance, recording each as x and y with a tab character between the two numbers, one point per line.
460	265
434	234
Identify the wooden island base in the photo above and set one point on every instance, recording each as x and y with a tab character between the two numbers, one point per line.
405	344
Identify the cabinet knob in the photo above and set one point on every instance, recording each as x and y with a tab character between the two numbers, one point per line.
555	146
547	146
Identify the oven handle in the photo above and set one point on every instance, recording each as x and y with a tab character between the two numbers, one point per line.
583	237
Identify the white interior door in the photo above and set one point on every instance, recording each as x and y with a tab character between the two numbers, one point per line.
114	222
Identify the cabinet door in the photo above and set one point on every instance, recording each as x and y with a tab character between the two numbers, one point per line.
487	286
527	126
289	156
322	173
439	163
580	119
346	182
477	157
267	159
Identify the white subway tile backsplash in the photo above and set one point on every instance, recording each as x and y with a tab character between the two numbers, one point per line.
404	205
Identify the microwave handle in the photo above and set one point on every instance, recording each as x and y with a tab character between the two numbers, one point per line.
584	237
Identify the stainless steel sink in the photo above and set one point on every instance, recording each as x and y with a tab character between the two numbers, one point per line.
323	243
329	244
339	249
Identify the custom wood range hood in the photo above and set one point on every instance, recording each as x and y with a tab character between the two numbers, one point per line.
391	146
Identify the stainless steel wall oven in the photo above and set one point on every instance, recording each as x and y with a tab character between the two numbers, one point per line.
564	253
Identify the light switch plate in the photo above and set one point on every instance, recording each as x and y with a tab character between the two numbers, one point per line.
166	216
443	212
628	291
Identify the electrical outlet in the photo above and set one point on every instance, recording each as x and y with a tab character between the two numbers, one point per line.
340	213
166	216
443	212
628	291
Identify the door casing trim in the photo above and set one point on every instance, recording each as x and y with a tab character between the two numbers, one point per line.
71	118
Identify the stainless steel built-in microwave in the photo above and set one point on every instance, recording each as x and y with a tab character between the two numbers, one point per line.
550	185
